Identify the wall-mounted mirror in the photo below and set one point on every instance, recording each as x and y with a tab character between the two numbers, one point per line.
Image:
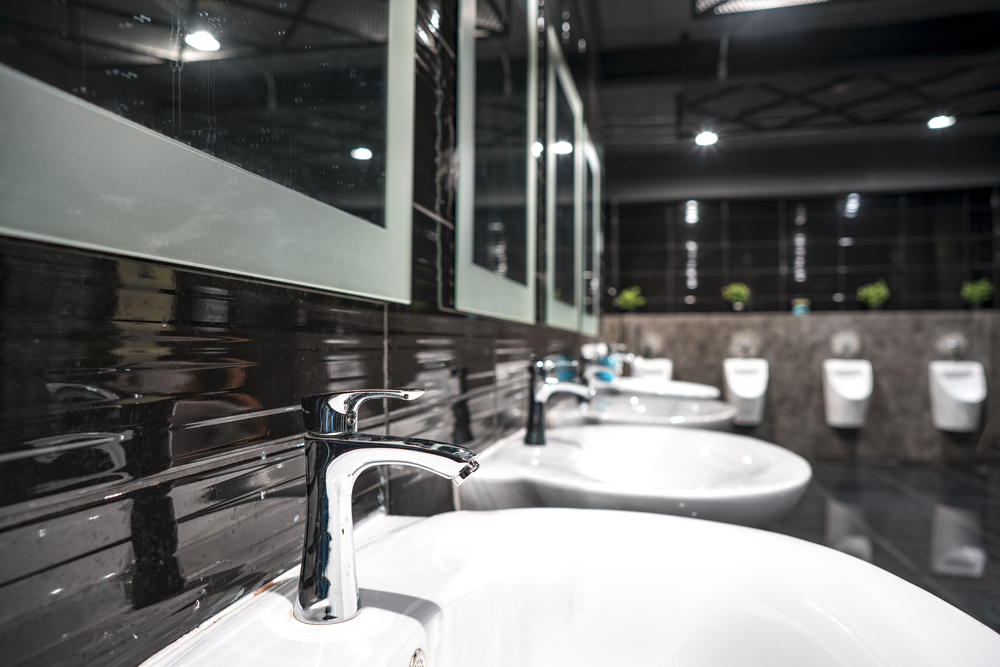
592	245
270	142
563	194
497	127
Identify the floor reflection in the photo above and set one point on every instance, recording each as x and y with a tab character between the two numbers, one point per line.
934	525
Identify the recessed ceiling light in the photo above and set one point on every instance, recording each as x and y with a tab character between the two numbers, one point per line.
940	122
706	138
361	154
202	41
562	148
691	212
852	205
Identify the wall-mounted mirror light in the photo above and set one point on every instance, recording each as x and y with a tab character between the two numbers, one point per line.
592	239
498	159
564	183
276	152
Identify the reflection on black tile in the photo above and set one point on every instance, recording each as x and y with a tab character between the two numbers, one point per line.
153	440
895	503
925	245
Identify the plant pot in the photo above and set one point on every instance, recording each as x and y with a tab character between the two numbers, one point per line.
738	306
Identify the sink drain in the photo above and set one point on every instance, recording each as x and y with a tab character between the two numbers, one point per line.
419	658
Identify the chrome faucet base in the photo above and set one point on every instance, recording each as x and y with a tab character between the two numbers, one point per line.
328	584
540	390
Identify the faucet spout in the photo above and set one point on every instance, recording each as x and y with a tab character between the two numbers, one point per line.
541	390
328	585
545	391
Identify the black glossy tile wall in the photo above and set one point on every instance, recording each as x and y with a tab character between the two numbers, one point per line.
925	245
150	438
150	443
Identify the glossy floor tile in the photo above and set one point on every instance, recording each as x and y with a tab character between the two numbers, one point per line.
903	516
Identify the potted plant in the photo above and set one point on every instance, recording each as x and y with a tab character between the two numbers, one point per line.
629	299
737	294
873	295
977	292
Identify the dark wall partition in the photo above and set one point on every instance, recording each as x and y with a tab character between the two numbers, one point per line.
923	244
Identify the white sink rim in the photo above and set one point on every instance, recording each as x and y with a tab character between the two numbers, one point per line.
834	607
513	473
659	387
719	414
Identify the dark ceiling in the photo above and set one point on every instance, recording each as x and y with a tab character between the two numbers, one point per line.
812	98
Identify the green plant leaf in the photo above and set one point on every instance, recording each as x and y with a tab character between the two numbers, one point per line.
977	291
630	298
736	293
874	294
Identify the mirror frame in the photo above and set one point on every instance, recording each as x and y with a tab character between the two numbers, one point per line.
77	175
590	325
477	289
560	314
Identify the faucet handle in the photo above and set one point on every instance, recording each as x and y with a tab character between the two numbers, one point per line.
328	414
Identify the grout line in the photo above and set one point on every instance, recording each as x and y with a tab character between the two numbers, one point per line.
385	365
973	481
256	414
930	582
433	216
383	471
27	511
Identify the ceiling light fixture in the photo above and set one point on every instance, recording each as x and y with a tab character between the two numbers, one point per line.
691	212
940	122
706	138
562	148
202	41
537	149
737	6
851	207
361	154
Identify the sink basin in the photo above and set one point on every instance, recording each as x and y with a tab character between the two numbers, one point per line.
706	474
577	587
659	387
640	408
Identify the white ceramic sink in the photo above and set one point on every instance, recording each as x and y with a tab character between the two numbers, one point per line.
642	408
658	387
543	587
705	474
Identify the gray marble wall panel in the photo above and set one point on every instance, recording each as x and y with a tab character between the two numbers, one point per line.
899	345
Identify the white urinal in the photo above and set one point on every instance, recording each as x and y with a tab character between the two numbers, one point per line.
956	542
847	389
746	388
958	389
662	369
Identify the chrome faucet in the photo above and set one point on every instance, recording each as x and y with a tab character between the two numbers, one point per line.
593	372
335	455
540	390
